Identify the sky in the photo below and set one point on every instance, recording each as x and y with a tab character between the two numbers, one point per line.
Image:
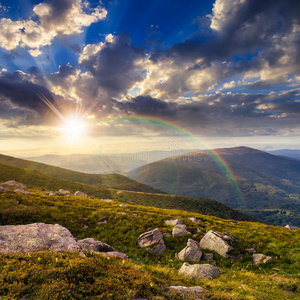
109	76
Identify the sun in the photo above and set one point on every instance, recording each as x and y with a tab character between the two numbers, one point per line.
74	128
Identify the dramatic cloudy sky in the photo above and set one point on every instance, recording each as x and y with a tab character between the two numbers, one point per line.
73	73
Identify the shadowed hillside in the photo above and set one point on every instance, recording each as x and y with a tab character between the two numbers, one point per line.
269	185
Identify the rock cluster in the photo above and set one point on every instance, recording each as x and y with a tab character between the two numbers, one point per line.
40	237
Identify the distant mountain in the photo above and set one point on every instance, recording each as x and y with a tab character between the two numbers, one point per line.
114	181
287	153
269	185
120	163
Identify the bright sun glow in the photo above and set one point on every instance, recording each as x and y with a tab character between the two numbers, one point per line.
74	128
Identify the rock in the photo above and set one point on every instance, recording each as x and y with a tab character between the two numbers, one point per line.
194	292
194	220
152	241
80	194
62	192
206	271
37	237
15	184
208	257
261	258
51	194
100	248
174	222
85	226
101	223
135	215
123	205
198	230
121	212
180	230
107	200
251	250
290	227
4	190
191	252
167	234
21	191
217	242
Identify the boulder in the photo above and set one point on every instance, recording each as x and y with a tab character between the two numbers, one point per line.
290	227
62	192
152	241
261	258
15	184
217	242
37	237
100	248
174	222
4	190
194	220
80	194
180	230
194	292
191	252
206	271
21	191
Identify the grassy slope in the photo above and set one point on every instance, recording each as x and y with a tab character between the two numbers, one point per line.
34	179
47	275
114	181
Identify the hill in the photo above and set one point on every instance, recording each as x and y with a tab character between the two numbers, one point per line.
114	181
36	180
120	163
287	153
50	275
269	185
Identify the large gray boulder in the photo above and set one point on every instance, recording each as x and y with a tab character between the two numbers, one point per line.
152	241
174	222
62	192
206	271
100	248
180	230
191	252
15	184
217	242
194	292
37	237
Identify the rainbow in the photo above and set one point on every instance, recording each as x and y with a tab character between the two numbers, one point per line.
221	163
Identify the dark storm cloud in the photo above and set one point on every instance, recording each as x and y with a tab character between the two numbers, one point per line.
114	65
22	97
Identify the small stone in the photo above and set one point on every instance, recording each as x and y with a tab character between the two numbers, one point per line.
107	200
123	205
80	194
194	220
261	258
174	222
194	292
21	191
85	226
290	227
101	223
121	212
135	215
180	230
251	250
62	192
167	234
206	271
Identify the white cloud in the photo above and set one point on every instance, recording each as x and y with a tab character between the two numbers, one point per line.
53	21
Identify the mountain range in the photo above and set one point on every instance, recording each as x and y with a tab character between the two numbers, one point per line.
263	185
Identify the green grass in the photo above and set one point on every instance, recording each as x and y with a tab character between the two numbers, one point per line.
37	180
69	276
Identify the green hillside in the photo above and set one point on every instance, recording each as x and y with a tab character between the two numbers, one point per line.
34	179
48	275
114	181
269	185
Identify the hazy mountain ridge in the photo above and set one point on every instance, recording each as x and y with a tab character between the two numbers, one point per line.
266	181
